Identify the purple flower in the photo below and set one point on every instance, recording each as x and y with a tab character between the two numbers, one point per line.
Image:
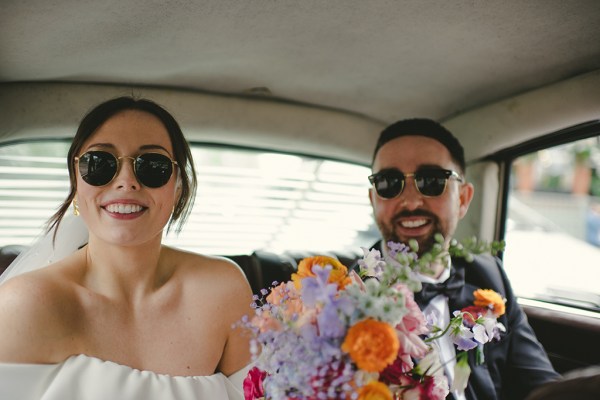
396	247
316	289
330	324
463	338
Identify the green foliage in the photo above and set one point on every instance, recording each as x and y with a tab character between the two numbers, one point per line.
401	267
470	246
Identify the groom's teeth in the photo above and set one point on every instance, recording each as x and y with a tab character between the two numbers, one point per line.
123	208
414	224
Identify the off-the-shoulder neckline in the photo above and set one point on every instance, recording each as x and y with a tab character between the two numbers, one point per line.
97	360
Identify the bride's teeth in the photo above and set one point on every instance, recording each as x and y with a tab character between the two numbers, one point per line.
123	208
414	224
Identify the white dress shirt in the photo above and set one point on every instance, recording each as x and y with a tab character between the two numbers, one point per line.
438	306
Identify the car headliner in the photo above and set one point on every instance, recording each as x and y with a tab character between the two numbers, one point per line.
368	63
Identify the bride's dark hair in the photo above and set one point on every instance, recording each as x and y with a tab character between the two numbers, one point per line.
181	152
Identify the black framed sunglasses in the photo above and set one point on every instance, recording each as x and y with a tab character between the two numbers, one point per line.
99	168
429	182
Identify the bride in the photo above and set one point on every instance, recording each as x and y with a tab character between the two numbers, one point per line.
123	316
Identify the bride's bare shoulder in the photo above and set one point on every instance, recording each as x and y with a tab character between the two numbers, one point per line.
195	263
215	274
34	310
31	288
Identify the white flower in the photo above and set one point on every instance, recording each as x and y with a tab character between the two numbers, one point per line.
372	262
430	364
461	375
433	318
492	328
479	334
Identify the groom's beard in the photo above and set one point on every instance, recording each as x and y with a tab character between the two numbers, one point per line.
426	242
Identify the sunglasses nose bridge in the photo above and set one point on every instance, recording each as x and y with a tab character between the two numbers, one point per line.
127	158
127	162
410	186
410	197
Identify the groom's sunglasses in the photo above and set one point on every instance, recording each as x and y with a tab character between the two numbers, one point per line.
429	182
99	168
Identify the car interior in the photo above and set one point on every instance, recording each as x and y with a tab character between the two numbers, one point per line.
282	103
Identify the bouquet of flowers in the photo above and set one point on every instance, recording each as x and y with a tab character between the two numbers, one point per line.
327	334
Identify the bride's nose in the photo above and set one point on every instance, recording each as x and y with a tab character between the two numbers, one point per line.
126	178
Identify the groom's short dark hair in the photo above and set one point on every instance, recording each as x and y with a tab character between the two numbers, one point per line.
423	127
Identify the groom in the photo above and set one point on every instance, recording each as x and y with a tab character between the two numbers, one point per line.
418	190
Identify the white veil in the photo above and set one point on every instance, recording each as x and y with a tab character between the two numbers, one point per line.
72	234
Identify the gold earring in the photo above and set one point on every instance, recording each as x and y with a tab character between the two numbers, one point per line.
75	207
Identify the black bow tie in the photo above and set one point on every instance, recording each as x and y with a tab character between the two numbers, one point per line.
450	288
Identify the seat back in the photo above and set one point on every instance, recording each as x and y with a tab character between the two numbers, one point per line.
8	254
263	268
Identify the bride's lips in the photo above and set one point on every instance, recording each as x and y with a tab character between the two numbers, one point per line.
124	209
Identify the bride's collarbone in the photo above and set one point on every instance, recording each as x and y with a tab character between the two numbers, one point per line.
173	351
173	326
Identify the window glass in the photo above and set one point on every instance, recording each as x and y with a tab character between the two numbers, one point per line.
553	226
247	200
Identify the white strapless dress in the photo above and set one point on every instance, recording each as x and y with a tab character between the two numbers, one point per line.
83	377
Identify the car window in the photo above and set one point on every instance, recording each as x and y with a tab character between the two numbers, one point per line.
553	226
247	200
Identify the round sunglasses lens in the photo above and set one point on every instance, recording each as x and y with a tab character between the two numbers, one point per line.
389	187
431	184
153	170
97	168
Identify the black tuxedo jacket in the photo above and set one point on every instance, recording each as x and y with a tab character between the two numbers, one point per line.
517	363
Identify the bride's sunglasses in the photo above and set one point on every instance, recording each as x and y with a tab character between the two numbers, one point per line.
99	168
429	182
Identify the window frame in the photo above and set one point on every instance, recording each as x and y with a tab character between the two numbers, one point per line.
505	159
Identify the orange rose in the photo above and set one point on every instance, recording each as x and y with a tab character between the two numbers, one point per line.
486	298
338	275
372	345
375	390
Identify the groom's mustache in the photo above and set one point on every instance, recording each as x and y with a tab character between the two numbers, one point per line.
415	213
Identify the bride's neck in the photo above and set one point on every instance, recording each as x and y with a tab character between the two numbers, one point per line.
125	270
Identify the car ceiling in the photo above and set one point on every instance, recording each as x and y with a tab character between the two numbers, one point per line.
378	60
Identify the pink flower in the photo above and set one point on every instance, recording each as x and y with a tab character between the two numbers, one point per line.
253	384
414	321
426	388
288	300
412	325
266	322
392	373
411	344
327	376
278	294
